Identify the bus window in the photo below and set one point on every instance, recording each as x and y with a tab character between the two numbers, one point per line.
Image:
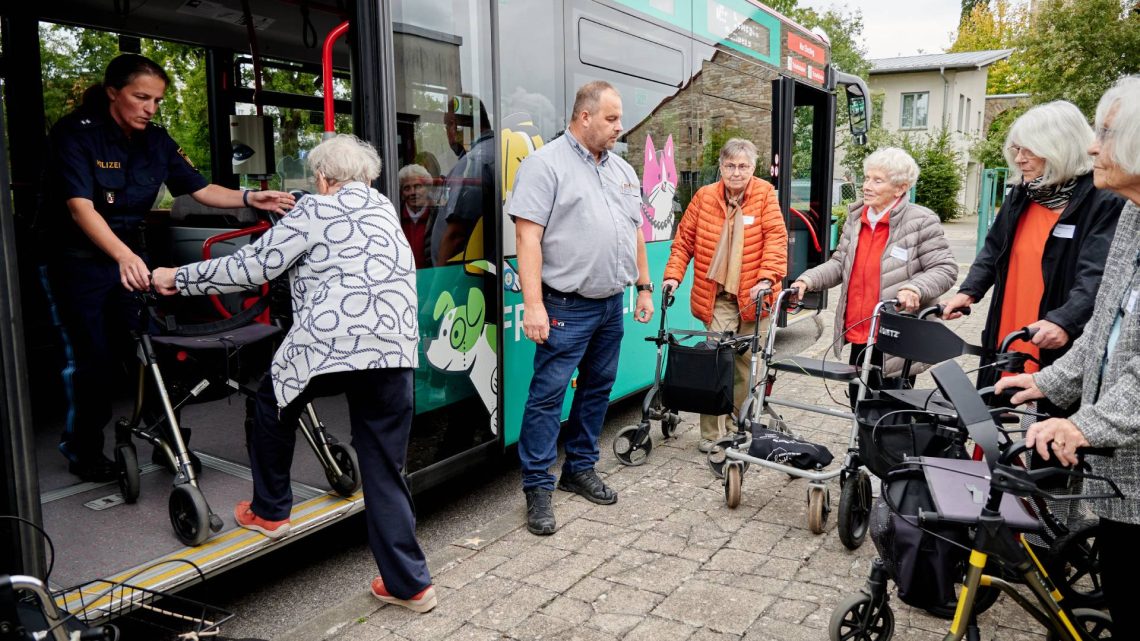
736	102
448	200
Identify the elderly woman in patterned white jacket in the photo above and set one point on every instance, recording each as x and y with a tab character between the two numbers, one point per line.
890	248
1102	370
353	281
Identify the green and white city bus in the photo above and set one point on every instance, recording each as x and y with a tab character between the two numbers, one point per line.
465	89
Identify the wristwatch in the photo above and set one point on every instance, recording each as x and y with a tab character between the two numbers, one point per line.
645	287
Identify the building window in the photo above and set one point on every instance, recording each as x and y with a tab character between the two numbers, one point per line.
914	109
966	127
961	109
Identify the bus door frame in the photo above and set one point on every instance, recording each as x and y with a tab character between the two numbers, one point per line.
787	94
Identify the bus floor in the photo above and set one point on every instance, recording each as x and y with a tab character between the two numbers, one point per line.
97	535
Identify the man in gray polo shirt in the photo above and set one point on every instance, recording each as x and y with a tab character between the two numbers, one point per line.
577	212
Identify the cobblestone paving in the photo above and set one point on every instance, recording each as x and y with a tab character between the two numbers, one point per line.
670	560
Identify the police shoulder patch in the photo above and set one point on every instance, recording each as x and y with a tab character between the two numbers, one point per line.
186	158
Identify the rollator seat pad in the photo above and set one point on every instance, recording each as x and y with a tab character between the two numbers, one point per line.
817	367
924	399
960	488
247	335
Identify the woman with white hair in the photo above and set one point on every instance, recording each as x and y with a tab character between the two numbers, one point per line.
417	211
890	248
1102	370
355	332
1044	255
734	234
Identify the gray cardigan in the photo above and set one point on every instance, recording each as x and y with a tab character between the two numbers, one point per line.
1113	418
353	282
929	269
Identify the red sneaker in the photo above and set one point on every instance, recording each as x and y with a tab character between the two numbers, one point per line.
247	519
422	602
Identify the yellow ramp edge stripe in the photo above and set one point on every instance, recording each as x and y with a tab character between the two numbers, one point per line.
205	556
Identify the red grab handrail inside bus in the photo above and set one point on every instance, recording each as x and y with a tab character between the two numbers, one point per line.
327	74
810	227
207	250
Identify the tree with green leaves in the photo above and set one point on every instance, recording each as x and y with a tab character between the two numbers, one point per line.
996	25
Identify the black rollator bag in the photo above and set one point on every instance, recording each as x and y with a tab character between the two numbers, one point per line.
698	378
786	449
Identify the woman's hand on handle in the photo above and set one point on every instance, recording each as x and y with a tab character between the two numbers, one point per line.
908	300
763	285
133	273
800	289
1024	382
670	285
1059	436
1049	335
163	280
950	308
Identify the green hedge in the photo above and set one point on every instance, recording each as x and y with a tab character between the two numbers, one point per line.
940	167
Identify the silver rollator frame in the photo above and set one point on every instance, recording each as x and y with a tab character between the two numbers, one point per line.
758	392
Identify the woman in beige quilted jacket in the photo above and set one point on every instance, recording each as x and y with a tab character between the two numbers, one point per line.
890	248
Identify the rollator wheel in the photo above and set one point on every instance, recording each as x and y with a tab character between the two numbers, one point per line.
855	510
127	463
733	478
857	619
189	515
818	509
632	445
1093	623
669	425
1075	565
349	481
717	458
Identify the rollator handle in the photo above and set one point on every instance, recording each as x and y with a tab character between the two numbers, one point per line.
1023	334
940	309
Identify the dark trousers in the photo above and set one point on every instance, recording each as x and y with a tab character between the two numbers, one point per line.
585	334
95	315
380	410
1119	567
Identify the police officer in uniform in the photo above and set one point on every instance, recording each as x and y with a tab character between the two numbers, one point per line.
107	162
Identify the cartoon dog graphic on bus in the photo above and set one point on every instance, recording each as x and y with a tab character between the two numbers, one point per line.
466	343
659	187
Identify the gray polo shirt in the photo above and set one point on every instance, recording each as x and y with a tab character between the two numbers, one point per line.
591	212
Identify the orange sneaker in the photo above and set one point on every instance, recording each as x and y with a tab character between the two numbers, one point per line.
247	519
422	602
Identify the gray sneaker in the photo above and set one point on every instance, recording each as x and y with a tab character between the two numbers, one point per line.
706	445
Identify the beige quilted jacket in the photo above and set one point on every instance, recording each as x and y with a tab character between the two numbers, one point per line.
929	268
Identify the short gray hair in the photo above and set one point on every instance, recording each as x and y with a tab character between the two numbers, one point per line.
588	96
413	171
345	158
898	165
739	147
1056	132
1124	98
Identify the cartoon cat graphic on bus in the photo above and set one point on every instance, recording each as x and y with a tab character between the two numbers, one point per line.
659	187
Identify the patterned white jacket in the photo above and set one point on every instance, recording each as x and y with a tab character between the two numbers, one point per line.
353	282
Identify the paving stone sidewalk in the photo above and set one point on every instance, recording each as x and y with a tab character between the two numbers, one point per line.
670	560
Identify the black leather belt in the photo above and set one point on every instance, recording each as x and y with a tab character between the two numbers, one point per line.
547	289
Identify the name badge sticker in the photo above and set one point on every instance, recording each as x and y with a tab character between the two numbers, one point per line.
900	253
1065	231
1132	299
748	220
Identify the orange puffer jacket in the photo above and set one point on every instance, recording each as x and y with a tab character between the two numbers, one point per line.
765	244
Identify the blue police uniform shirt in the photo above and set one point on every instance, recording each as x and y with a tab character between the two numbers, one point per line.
92	158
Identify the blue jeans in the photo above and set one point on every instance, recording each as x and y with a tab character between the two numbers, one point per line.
584	334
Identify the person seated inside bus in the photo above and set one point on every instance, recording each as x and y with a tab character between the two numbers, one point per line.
470	185
417	211
355	332
106	163
889	248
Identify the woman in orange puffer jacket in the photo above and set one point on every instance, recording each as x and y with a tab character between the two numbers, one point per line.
734	234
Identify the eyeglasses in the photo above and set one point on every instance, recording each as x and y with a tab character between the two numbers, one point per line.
730	168
1016	150
1103	133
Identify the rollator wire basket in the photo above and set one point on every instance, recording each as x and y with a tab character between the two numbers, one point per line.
161	615
698	378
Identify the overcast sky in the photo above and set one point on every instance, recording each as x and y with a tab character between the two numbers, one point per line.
902	27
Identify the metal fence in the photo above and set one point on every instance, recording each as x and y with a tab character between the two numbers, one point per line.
993	193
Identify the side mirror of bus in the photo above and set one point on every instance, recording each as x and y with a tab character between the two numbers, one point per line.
857	113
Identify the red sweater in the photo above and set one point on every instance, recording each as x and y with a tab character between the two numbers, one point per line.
863	289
